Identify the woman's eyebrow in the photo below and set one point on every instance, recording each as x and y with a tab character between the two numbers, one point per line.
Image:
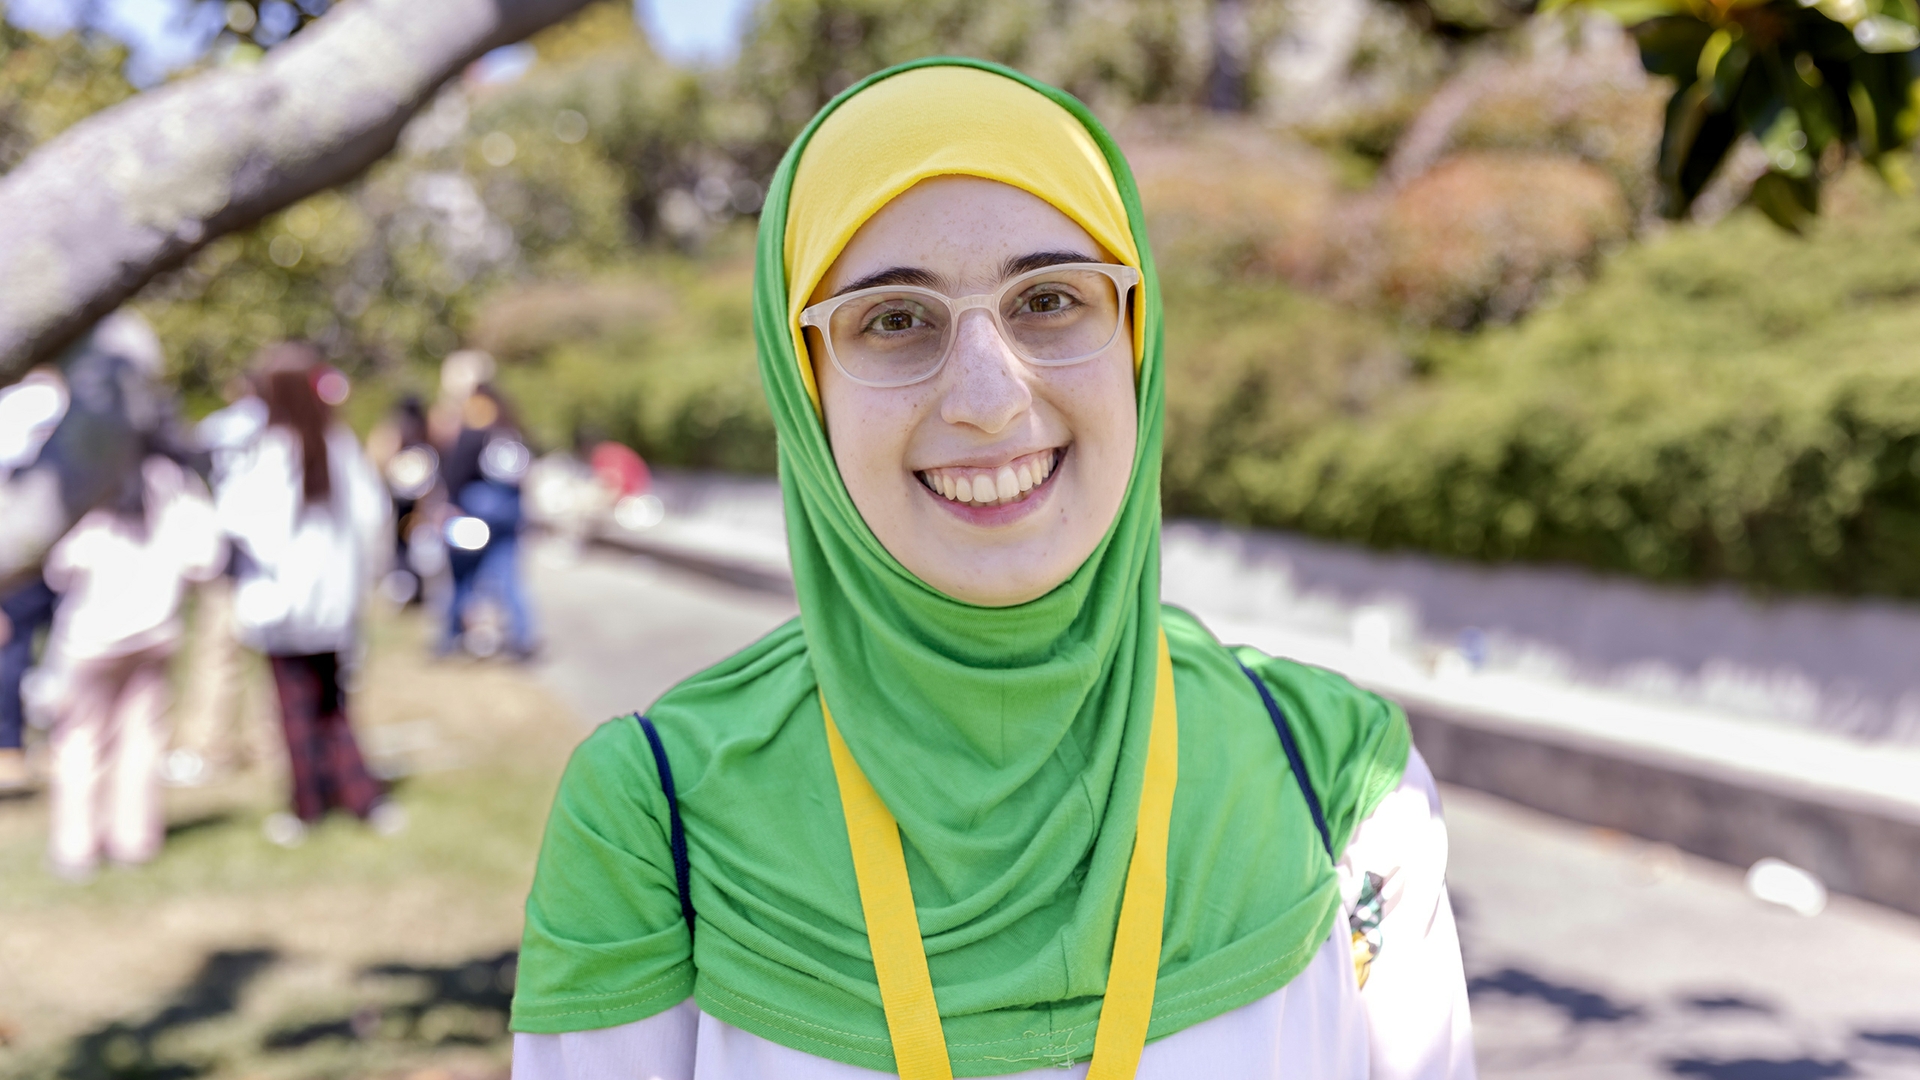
893	275
1020	264
926	279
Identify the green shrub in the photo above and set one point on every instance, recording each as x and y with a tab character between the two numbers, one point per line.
1724	403
660	358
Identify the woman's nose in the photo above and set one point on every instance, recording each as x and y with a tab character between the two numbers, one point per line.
985	384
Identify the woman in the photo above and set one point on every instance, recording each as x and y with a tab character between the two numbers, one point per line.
986	807
122	572
309	519
483	472
401	452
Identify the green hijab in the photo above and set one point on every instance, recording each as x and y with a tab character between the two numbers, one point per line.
1009	743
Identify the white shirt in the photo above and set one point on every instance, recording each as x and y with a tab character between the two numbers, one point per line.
227	433
29	411
307	568
1409	1022
121	581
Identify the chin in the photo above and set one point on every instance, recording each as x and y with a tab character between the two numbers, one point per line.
1010	575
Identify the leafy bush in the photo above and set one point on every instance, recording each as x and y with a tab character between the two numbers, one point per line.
660	358
1480	237
1230	195
1725	403
1578	91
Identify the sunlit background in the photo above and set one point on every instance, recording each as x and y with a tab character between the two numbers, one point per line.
1608	470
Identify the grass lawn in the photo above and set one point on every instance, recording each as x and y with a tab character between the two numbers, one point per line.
352	955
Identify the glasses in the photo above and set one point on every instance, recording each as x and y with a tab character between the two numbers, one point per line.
898	335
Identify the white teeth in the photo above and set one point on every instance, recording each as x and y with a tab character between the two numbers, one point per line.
982	488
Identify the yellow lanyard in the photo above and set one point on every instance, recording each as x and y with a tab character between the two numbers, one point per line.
893	927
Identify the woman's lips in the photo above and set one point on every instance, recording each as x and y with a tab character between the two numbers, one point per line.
1010	483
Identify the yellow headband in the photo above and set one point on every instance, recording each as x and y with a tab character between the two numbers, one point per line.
939	121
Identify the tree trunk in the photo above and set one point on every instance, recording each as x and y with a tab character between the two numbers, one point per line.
95	214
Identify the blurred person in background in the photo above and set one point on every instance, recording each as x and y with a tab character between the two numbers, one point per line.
576	492
461	373
483	473
122	572
25	609
210	737
29	411
117	410
310	520
620	469
401	449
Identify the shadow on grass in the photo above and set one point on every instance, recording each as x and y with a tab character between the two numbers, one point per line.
461	1004
1899	1040
1761	1069
464	1004
1727	1003
125	1050
1579	1005
178	829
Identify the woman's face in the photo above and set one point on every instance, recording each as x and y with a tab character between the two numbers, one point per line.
987	419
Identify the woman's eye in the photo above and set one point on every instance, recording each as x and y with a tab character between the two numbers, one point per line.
1049	302
894	321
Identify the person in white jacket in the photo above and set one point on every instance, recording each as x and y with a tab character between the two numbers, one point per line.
121	572
309	518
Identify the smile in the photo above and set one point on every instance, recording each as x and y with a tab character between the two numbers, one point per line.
1010	483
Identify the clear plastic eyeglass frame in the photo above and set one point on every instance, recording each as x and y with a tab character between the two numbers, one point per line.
820	316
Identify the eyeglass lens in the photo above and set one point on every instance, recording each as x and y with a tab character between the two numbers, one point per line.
899	335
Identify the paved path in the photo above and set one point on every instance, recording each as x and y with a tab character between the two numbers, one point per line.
622	629
1590	955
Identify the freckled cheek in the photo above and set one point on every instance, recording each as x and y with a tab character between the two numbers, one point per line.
1097	402
879	432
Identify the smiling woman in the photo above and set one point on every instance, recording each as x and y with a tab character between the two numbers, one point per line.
987	806
990	473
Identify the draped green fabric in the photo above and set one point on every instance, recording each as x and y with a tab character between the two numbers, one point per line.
1008	742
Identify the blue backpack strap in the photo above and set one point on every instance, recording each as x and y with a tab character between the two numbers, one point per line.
1293	758
677	834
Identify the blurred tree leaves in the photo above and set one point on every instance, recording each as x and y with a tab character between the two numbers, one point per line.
1466	19
255	26
1812	83
46	86
799	53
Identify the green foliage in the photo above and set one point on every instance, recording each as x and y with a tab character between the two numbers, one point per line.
376	275
659	356
1722	403
1254	369
799	53
555	178
599	153
607	134
1813	83
48	86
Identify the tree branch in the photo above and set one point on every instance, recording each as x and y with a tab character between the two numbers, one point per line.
131	192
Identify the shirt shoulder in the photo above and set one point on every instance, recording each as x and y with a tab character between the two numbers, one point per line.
1353	742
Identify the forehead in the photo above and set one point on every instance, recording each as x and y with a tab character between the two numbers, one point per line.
960	228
